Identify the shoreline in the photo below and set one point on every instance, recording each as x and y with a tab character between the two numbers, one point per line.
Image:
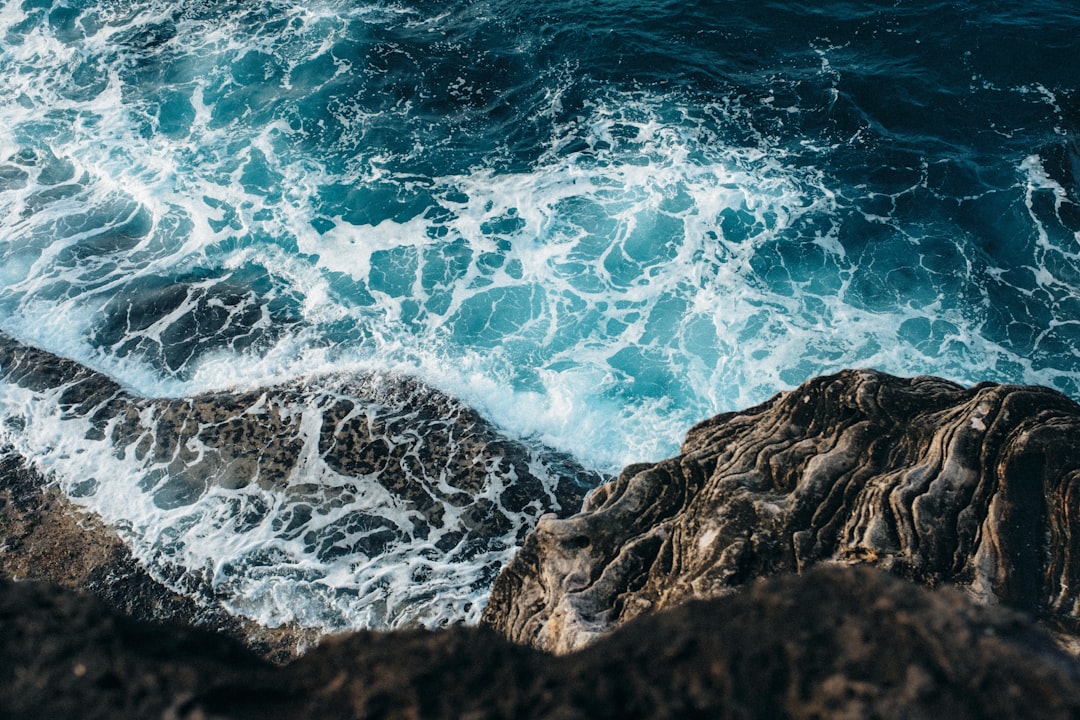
733	563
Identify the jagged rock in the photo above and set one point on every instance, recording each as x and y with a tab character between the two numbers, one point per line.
330	472
837	642
934	482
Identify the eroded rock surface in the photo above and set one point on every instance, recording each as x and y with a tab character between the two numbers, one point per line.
837	642
978	486
335	482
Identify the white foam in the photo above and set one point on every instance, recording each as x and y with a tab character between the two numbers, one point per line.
258	549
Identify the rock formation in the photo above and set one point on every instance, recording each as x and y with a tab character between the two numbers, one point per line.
718	583
977	487
335	470
425	447
837	642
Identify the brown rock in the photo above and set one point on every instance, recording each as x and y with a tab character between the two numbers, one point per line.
441	476
937	483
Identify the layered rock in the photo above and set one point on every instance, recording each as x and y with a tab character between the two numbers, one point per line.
835	642
978	487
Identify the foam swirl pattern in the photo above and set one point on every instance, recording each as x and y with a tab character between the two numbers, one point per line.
594	222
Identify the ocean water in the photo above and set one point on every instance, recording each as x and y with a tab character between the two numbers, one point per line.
595	222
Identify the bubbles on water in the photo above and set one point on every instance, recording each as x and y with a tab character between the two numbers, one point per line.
265	193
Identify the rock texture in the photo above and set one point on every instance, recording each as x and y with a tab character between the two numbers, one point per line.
979	487
837	642
326	473
425	447
732	581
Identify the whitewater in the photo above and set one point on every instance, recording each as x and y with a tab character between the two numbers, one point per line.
595	223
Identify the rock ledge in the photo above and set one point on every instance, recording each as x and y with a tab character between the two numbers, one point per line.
977	487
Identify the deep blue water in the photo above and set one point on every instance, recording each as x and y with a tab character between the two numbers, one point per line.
597	222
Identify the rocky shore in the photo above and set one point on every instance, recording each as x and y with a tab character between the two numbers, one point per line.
861	546
331	471
43	536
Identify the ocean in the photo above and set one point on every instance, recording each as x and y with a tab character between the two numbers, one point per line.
596	223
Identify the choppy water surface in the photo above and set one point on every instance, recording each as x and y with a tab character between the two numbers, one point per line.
597	223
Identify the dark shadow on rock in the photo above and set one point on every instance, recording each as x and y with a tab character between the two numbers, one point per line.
836	642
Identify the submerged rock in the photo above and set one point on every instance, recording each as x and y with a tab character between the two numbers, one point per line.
323	485
977	487
838	642
44	536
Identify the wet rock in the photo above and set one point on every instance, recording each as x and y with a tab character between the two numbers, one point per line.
44	536
341	470
937	483
427	448
837	642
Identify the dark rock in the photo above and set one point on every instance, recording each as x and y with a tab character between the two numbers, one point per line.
64	655
357	467
837	642
937	483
